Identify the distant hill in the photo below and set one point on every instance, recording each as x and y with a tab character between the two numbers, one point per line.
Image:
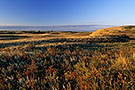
115	31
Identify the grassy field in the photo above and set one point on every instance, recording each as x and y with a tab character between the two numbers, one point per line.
66	61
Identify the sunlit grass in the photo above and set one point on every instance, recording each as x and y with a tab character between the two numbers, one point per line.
66	64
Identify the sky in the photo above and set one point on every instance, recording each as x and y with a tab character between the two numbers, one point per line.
67	12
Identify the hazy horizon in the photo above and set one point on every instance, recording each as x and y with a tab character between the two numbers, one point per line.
54	27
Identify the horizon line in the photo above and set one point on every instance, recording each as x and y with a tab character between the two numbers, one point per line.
56	25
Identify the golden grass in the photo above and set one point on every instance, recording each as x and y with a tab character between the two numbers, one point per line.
122	30
45	36
66	64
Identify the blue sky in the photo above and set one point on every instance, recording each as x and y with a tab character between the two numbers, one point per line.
67	12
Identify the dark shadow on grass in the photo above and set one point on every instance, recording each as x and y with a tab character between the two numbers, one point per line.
84	40
11	37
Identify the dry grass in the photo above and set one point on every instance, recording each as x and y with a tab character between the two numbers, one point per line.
43	36
66	61
122	30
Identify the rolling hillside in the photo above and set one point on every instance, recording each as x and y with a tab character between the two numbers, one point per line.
115	31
